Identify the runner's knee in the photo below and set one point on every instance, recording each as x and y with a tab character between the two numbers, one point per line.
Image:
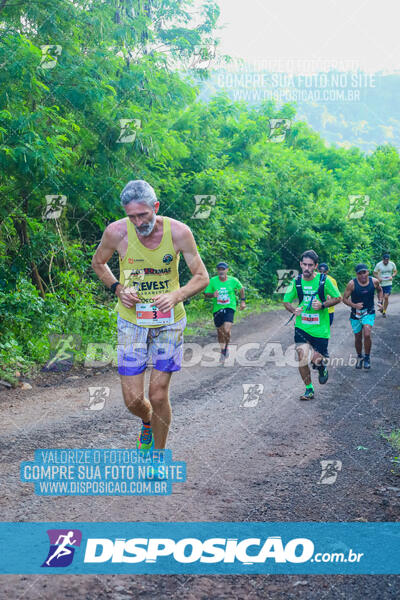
159	392
135	402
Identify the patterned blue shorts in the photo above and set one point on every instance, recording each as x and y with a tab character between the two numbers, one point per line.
139	347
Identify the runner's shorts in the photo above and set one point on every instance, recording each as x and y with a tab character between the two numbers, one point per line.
387	289
357	324
223	315
138	347
319	344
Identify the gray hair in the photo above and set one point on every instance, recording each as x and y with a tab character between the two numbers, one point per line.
138	191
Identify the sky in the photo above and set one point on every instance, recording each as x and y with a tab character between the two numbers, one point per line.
292	33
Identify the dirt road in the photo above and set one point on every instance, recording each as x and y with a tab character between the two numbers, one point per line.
248	458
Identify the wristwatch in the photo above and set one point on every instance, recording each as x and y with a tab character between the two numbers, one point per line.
114	286
322	304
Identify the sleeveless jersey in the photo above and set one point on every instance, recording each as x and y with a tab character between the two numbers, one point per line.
150	272
364	294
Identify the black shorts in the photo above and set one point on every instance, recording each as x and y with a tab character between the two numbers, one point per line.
320	345
223	315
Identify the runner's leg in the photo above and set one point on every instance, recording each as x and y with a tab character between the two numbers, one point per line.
358	342
221	337
317	358
367	338
226	328
385	302
133	392
304	369
159	399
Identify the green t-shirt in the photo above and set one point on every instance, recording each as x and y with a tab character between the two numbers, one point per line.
226	292
313	322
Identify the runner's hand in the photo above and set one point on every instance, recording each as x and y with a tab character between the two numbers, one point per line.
298	311
165	302
242	305
215	294
359	305
316	304
128	296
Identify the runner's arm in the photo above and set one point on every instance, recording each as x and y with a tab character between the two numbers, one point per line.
288	298
210	294
332	296
376	274
200	279
242	298
104	252
346	296
378	289
294	310
328	302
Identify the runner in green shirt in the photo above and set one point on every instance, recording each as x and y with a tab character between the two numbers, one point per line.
312	325
222	290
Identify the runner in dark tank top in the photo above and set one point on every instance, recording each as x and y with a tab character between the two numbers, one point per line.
364	294
359	295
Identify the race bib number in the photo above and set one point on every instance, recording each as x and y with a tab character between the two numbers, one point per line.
308	319
360	313
149	314
386	276
223	297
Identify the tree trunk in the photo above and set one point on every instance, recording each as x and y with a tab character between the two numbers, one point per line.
22	230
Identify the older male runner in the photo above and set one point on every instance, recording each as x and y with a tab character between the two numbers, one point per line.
151	315
359	295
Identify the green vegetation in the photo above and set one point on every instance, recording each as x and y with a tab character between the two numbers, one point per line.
60	135
394	439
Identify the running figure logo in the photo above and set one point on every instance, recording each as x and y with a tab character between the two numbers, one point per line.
97	397
252	393
62	547
329	471
54	206
357	206
62	352
203	207
285	277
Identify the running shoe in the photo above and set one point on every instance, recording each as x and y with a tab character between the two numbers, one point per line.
384	315
359	363
308	394
367	363
322	374
145	441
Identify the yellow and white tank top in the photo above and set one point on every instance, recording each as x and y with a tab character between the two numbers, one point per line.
151	272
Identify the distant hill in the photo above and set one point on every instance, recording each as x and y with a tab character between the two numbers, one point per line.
346	108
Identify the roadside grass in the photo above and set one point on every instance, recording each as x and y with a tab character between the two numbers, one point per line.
25	346
394	439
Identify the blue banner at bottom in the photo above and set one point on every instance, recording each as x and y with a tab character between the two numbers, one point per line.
200	548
